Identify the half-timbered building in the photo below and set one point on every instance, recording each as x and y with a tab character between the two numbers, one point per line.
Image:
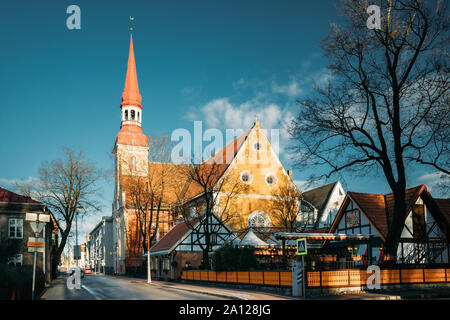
182	247
426	231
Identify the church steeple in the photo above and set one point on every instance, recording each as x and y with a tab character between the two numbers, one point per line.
131	95
131	109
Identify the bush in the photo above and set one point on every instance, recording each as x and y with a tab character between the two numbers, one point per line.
230	258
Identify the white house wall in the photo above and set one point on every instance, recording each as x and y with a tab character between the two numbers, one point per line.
332	206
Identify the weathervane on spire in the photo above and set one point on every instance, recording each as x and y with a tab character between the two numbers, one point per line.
131	23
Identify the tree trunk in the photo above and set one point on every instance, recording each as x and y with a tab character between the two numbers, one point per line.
396	225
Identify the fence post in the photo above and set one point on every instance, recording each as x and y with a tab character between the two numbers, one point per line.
400	272
348	278
320	278
423	274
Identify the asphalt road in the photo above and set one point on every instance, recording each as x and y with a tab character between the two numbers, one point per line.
97	287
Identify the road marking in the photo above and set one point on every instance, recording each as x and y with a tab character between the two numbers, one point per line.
91	292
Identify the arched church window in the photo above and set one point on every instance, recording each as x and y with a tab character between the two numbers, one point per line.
133	163
126	114
259	219
132	114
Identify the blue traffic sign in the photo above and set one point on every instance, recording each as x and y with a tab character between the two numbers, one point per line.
301	247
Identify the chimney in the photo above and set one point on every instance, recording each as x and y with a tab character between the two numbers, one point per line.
290	174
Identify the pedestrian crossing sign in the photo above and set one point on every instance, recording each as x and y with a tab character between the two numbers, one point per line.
301	247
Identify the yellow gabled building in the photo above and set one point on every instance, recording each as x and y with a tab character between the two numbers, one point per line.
249	160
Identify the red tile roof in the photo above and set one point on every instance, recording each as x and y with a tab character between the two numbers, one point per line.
9	196
375	206
444	206
173	236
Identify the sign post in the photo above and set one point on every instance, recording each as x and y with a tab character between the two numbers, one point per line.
298	271
36	244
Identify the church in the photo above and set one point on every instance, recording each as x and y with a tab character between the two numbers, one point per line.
256	183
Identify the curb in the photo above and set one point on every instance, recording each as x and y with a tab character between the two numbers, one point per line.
197	291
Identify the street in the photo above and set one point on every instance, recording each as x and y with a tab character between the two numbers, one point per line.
99	287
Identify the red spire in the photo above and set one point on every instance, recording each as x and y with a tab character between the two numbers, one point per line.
131	95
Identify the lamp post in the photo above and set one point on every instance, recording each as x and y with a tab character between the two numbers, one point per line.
149	270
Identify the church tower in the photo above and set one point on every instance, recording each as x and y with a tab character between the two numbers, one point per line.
131	147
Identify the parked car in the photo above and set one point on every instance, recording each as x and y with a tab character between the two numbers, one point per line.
87	271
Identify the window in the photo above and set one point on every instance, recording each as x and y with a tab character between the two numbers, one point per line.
126	114
257	146
352	218
15	228
246	177
139	115
271	179
213	239
132	114
15	260
259	219
133	163
307	213
419	228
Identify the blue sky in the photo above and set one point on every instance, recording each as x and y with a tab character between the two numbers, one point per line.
196	60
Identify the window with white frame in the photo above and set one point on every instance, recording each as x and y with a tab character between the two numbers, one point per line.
16	260
15	227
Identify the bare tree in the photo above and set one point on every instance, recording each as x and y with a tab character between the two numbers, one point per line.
147	194
286	207
386	106
68	187
214	192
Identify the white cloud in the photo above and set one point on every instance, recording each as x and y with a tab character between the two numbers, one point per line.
11	183
305	185
292	89
429	178
241	83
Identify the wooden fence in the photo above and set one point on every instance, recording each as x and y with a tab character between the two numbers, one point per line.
269	278
322	279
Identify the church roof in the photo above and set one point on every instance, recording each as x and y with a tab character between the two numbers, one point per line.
217	164
131	134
